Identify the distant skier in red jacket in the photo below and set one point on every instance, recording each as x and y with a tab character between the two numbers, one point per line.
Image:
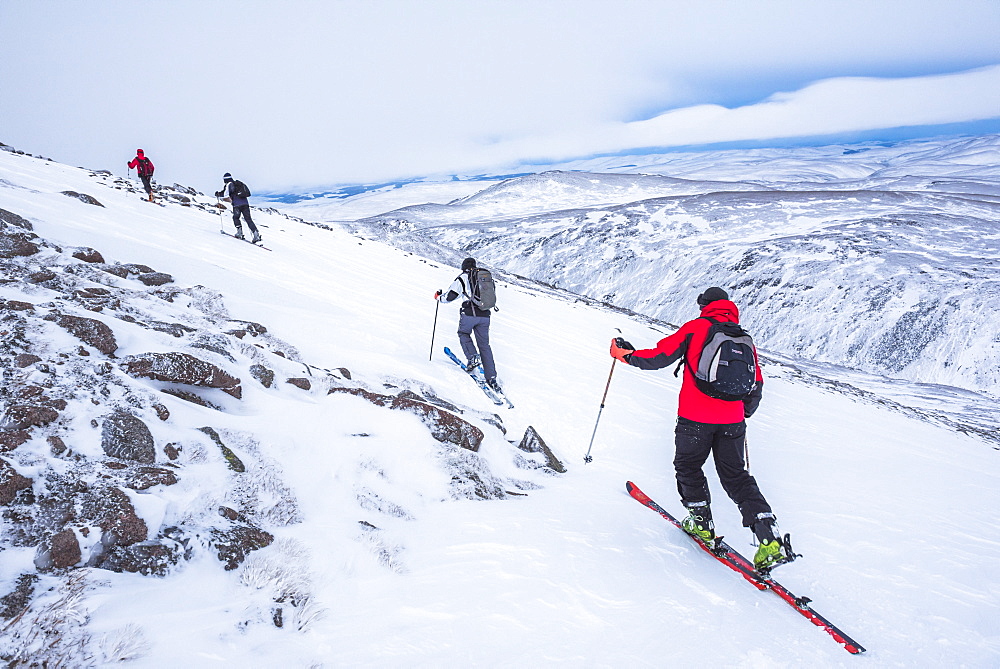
706	425
144	166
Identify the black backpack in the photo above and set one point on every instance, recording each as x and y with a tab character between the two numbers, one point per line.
727	366
240	189
483	293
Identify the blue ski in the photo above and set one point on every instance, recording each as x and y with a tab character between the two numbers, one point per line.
477	376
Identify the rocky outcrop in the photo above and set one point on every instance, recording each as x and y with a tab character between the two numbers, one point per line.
232	461
155	278
126	437
182	368
89	255
82	197
532	442
234	544
300	382
89	330
15	244
11	482
59	551
9	218
444	426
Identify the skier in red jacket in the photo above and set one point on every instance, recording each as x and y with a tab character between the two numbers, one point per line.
706	425
144	166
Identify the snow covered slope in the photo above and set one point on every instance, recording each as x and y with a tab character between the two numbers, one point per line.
359	535
884	260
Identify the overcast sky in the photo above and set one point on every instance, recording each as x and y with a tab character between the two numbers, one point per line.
305	93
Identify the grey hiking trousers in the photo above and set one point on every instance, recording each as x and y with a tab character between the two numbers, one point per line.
480	327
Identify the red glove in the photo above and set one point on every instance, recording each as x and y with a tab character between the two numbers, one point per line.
620	349
437	295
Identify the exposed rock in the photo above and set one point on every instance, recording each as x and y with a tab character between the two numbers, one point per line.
345	372
15	602
172	451
125	436
90	331
13	245
88	254
11	439
116	270
10	218
149	558
136	268
162	412
59	551
532	442
182	368
232	460
31	415
193	398
264	375
115	515
11	482
235	544
57	445
25	359
16	305
156	278
300	382
41	276
444	426
147	477
82	197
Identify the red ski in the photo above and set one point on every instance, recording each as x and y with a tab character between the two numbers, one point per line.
725	554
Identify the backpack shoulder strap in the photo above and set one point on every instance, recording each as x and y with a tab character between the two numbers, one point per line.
684	361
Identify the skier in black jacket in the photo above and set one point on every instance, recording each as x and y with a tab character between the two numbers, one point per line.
237	192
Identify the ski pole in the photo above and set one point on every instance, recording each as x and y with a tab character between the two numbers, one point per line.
746	453
437	305
587	458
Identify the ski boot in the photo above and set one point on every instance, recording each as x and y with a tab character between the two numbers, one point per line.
256	237
772	550
473	363
698	523
239	233
494	385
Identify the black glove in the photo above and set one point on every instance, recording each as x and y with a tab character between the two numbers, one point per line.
623	344
218	193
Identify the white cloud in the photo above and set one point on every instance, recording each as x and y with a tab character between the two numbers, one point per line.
310	92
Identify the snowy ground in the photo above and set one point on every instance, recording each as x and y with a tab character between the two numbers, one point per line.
896	517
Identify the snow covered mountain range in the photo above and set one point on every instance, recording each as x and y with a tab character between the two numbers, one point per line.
214	455
879	258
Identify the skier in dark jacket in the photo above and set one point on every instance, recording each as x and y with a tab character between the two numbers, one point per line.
144	166
237	192
706	425
472	320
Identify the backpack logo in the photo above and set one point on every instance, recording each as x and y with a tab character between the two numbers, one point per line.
484	294
241	189
726	368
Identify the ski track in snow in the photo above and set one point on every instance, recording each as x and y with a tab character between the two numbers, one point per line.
894	513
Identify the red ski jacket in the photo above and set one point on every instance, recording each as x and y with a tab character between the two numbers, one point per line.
143	164
694	404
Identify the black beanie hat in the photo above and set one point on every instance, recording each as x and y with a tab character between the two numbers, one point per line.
227	177
711	295
468	264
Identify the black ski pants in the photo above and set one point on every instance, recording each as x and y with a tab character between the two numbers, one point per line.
147	183
245	210
694	442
